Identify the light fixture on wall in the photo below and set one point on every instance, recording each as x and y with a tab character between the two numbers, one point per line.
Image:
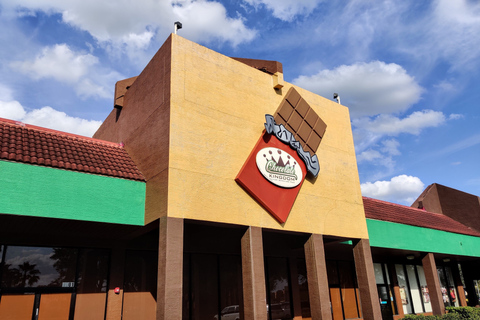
178	26
446	259
410	257
336	97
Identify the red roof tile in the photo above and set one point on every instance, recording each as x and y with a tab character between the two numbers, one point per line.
391	212
40	146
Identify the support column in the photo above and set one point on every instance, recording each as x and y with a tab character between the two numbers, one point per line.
366	280
317	278
433	284
170	269
115	300
459	285
253	275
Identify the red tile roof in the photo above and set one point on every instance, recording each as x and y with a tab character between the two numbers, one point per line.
20	142
391	212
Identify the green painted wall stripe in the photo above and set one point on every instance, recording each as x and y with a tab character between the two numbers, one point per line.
54	193
400	236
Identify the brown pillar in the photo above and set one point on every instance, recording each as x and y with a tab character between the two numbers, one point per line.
296	301
459	285
317	278
433	284
253	274
170	269
115	300
366	280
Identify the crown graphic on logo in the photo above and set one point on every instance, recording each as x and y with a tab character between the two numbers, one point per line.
280	162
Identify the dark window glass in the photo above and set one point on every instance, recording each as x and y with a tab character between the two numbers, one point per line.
93	271
204	286
212	286
39	267
231	292
186	287
303	285
141	272
278	288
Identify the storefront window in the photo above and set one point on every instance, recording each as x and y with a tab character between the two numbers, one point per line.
424	289
29	267
278	288
303	285
387	301
414	289
452	291
378	273
212	287
449	292
404	291
93	271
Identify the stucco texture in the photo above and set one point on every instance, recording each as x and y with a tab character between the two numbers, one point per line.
217	114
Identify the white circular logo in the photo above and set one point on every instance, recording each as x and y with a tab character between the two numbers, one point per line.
279	167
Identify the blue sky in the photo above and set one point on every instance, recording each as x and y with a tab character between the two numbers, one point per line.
408	70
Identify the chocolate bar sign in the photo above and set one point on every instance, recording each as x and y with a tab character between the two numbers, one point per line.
278	164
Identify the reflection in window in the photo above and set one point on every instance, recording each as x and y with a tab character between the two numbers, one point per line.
141	272
303	285
93	271
404	290
449	292
39	267
425	294
278	288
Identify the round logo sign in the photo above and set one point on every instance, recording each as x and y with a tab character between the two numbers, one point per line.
279	167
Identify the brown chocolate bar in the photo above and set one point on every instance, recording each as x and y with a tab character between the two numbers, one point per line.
299	118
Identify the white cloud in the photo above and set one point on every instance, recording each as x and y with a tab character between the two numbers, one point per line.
49	118
287	9
390	147
79	70
401	189
370	133
366	88
128	24
58	62
414	123
12	110
208	21
369	155
455	116
5	93
453	30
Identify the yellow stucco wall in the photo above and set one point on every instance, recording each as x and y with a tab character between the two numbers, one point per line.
217	110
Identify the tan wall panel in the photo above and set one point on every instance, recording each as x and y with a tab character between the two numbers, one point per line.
55	306
16	307
336	300
90	306
218	108
139	305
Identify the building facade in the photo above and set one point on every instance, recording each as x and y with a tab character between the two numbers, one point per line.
213	190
